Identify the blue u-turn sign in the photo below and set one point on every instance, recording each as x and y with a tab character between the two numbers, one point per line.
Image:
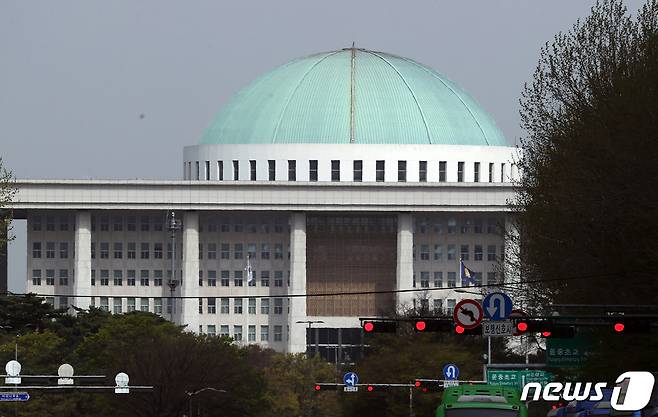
450	371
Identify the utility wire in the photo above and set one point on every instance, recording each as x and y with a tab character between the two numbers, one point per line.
332	294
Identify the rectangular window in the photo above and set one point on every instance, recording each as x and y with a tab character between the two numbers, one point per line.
502	172
145	223
131	223
212	278
236	170
491	278
477	253
264	278
93	250
237	305
491	172
476	172
271	170
422	171
157	305
130	304
130	277
157	250
50	277
265	251
50	223
212	330
50	250
265	306
118	307
379	171
313	170
251	250
252	170
252	306
438	279
118	277
466	226
212	305
207	166
36	277
237	253
292	170
118	250
358	171
105	304
491	253
200	250
278	278
264	333
424	252
212	251
251	335
460	172
105	224
36	249
442	171
36	223
278	306
63	224
132	248
105	277
438	306
223	331
220	170
402	171
224	306
278	333
278	251
225	251
198	171
145	250
117	223
237	333
424	279
63	277
225	278
492	226
438	252
335	170
93	277
452	252
144	278
157	278
237	278
477	226
452	279
105	250
452	226
144	305
464	252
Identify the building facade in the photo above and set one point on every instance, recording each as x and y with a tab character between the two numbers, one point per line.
320	191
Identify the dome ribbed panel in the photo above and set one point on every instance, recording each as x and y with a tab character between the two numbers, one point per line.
396	101
319	109
385	109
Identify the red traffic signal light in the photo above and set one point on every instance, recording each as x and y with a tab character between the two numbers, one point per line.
417	384
522	326
461	330
420	325
631	325
318	388
380	326
547	328
370	388
427	385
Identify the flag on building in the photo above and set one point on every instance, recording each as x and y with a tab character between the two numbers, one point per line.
250	272
466	275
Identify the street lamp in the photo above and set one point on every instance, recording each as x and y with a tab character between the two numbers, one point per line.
190	394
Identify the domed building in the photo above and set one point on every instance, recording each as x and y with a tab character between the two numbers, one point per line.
340	185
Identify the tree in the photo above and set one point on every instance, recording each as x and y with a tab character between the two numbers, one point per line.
586	203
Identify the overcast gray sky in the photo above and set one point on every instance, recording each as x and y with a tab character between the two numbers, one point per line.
76	75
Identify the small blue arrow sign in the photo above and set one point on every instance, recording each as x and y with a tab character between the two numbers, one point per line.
350	379
497	306
14	396
450	371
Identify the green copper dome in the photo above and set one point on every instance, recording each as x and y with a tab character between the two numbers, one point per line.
353	96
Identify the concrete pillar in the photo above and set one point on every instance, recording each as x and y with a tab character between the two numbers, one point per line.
4	272
297	342
189	307
82	274
405	261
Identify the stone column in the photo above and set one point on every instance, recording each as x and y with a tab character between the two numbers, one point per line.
82	274
297	342
4	272
405	264
189	307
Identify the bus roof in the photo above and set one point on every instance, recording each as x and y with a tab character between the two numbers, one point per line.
451	395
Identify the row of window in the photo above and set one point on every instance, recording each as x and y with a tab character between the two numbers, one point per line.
451	226
238	276
238	306
357	171
424	253
237	334
437	279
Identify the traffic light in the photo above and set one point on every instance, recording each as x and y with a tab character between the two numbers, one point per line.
621	325
546	328
461	330
380	326
425	385
433	325
325	387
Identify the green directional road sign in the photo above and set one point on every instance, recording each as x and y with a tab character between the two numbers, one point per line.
517	378
566	353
